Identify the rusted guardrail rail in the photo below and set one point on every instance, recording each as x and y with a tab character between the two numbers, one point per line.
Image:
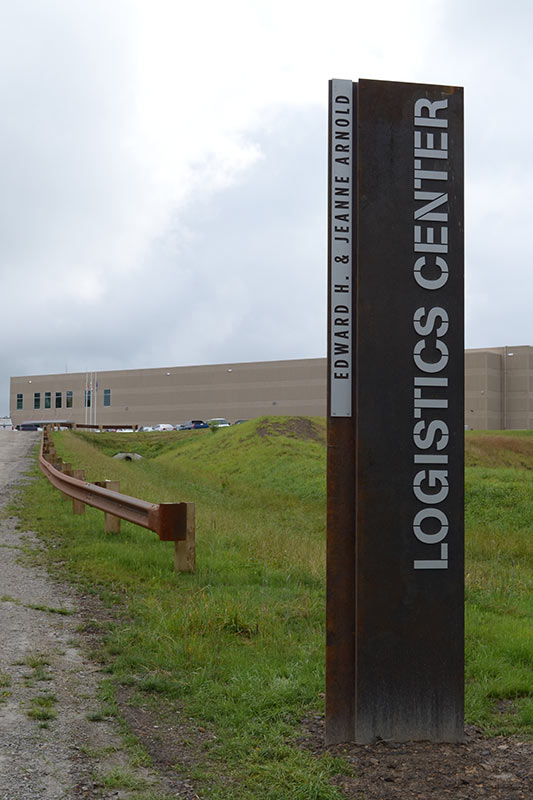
173	522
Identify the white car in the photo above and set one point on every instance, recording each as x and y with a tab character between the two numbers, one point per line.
218	422
163	426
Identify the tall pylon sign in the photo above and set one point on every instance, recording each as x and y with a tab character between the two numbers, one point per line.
395	552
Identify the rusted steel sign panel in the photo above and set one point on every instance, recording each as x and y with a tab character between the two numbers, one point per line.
408	413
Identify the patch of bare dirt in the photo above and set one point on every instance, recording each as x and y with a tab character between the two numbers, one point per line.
172	741
296	427
500	768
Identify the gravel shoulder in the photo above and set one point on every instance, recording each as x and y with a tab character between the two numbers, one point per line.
54	744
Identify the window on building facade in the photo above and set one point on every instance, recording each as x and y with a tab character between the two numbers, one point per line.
107	397
87	398
20	401
48	399
68	399
58	399
36	399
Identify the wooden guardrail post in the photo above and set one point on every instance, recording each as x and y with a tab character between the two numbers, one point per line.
78	507
185	550
111	523
66	469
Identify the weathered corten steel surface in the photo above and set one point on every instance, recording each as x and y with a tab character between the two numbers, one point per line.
340	593
409	445
168	520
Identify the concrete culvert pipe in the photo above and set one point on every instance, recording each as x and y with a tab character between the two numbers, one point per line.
128	456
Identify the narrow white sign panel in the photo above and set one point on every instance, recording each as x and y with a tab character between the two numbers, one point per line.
340	235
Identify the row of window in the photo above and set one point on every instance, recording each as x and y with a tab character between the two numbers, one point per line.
68	399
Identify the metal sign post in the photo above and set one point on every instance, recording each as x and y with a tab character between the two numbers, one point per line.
400	618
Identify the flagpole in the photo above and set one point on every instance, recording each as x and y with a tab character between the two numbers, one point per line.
95	395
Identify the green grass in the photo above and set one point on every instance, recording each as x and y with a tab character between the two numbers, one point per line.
5	679
238	647
38	662
117	778
5	683
499	580
42	707
6	598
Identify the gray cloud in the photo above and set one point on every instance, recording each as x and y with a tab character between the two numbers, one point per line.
241	276
127	244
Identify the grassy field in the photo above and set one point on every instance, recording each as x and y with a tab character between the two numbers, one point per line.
238	647
499	579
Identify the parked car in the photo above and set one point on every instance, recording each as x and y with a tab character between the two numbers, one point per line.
193	424
163	426
27	426
144	428
218	422
239	421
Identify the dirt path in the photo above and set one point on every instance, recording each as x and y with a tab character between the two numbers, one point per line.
50	748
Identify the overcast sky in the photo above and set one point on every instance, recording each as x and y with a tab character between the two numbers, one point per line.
163	170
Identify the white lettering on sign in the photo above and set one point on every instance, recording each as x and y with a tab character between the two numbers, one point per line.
340	238
431	323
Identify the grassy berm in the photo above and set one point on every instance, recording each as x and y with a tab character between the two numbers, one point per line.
236	650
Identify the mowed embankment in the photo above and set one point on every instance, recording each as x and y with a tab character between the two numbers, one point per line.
236	651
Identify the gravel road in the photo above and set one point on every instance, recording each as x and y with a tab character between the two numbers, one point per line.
44	673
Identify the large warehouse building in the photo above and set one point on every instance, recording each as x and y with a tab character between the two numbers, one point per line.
173	394
498	392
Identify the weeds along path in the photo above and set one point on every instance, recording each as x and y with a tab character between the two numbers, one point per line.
55	740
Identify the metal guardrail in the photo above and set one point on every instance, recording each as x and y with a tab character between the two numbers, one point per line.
173	522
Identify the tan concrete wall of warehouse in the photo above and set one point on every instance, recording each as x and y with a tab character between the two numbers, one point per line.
498	392
176	394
